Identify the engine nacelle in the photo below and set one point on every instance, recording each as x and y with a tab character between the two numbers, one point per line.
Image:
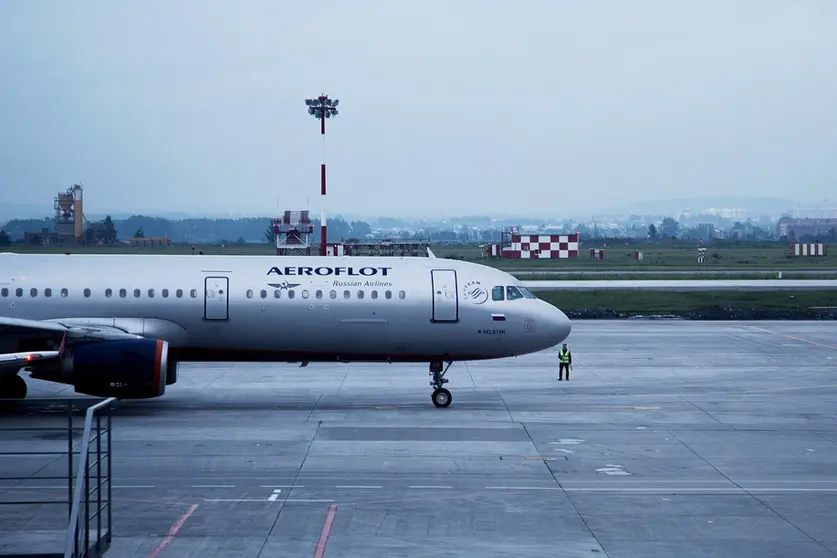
127	369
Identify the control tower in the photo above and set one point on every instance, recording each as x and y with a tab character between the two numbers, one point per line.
69	215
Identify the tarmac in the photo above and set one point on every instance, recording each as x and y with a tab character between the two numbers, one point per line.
672	438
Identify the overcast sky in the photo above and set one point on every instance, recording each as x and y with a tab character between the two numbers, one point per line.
446	107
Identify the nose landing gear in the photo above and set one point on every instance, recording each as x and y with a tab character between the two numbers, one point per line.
441	397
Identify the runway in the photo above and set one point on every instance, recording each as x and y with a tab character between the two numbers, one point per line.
671	439
670	272
683	284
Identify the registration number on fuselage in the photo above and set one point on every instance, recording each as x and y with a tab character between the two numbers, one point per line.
491	331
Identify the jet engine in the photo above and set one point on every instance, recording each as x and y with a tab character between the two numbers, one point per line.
127	369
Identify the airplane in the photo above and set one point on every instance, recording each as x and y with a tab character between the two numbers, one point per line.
118	325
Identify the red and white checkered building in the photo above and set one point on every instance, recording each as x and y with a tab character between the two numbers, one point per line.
538	246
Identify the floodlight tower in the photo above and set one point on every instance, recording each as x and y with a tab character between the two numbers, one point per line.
321	108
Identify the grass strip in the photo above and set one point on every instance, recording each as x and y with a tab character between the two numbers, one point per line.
696	305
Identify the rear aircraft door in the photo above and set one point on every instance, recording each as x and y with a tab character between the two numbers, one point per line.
445	295
216	298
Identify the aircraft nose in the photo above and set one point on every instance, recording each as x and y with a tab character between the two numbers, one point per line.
557	325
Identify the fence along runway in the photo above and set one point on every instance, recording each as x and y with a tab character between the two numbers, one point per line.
671	439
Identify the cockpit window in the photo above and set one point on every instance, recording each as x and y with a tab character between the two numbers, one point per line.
512	293
526	292
497	293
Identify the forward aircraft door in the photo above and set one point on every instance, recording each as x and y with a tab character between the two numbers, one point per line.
216	298
445	295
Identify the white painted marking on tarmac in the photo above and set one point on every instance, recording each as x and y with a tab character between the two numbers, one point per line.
430	487
275	495
523	488
353	486
281	486
612	470
565	441
261	500
682	489
563	450
305	500
795	338
213	486
135	486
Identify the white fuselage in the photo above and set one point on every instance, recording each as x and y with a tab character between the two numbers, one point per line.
271	308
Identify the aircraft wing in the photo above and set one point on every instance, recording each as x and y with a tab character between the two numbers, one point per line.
19	360
55	329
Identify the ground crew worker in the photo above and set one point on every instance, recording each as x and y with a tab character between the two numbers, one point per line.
566	359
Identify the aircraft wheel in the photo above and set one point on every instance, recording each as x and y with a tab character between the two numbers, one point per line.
13	387
442	397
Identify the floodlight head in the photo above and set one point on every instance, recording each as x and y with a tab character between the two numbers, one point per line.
311	110
308	102
336	101
335	112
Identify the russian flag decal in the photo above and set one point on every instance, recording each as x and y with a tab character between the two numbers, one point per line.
498	317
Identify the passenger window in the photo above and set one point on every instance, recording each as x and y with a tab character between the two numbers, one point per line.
388	295
18	292
304	293
86	293
332	294
512	293
291	294
137	293
4	292
249	293
402	295
360	294
165	293
277	293
47	293
497	293
347	294
193	293
319	293
108	293
374	294
123	293
263	294
150	293
179	293
33	292
64	293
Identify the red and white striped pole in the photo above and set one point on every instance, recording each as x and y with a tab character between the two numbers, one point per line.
321	108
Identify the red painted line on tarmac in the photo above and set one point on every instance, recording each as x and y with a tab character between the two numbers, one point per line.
173	531
319	552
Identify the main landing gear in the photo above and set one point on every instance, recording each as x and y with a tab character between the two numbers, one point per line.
12	386
441	397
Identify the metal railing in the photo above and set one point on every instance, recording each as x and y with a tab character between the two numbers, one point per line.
27	467
78	542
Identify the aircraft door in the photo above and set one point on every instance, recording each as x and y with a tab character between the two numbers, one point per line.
445	295
216	298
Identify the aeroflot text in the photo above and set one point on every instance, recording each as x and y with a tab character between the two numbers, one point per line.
322	271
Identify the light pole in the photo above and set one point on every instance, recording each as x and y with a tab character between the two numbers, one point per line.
321	108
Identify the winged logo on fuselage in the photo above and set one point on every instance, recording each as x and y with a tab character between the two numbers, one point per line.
474	292
284	285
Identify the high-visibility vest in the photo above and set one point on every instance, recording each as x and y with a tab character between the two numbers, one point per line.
564	356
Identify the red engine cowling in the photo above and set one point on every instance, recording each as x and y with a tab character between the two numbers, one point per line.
127	369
